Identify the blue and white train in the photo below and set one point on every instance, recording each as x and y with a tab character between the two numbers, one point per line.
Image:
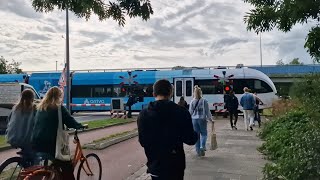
101	87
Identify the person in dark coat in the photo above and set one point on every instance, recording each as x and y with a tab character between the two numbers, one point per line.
183	103
232	104
163	128
257	116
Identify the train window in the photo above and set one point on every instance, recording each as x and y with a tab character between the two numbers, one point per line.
148	89
99	92
81	91
110	91
254	84
257	84
210	86
262	87
179	88
188	88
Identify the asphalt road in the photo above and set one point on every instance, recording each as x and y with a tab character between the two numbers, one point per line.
121	160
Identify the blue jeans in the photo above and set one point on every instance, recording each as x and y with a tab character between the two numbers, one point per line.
200	126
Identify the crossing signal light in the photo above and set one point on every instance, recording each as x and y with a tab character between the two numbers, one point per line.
227	89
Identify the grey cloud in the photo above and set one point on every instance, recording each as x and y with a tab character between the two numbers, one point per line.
120	46
35	37
158	58
187	9
173	36
47	29
227	42
145	38
96	36
20	7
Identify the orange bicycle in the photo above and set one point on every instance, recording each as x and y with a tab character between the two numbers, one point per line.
89	168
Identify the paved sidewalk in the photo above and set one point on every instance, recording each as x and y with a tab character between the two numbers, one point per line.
235	159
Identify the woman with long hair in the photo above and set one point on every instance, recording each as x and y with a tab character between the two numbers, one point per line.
46	126
199	110
21	122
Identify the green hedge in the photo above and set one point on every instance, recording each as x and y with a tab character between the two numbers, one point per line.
292	143
292	140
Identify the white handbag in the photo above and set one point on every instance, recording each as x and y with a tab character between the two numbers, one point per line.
213	144
62	142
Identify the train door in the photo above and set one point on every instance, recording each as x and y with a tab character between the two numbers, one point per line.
183	87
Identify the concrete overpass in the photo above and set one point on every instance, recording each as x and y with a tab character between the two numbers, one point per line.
283	76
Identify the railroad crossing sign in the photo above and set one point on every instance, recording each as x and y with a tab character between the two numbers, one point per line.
128	80
225	79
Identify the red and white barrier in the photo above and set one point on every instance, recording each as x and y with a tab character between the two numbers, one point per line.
218	104
219	110
88	105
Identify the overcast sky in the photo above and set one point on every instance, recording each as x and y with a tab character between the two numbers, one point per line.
181	32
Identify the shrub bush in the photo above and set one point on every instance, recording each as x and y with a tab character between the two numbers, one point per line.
292	138
292	142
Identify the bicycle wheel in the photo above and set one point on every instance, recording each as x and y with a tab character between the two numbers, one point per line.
10	168
94	164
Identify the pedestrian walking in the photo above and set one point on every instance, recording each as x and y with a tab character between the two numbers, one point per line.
182	102
232	104
247	101
199	110
258	101
163	127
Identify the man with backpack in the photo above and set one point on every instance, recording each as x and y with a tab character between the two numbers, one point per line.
163	128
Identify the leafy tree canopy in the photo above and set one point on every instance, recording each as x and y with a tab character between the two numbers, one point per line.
283	15
280	62
117	10
294	61
12	67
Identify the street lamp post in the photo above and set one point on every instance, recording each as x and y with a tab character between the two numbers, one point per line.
67	60
56	65
260	50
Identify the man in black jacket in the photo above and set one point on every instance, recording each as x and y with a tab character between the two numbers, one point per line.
232	104
163	128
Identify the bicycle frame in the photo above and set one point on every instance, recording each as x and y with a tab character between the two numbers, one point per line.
78	156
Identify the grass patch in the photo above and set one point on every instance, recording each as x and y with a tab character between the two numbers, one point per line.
113	136
267	112
106	122
3	141
91	124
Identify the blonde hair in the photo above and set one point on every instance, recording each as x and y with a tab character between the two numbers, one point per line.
245	89
197	93
52	99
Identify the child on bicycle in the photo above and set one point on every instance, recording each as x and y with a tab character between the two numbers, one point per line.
46	125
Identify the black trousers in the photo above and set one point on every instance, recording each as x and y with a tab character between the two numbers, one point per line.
257	116
178	175
235	114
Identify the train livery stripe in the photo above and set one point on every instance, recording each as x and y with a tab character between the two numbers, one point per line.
89	105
